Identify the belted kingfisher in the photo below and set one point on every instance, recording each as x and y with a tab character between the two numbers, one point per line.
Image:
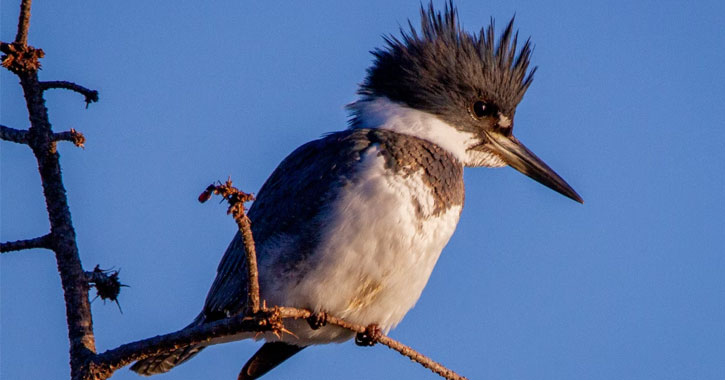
352	224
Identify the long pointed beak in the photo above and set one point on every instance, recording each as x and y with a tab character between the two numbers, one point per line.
522	159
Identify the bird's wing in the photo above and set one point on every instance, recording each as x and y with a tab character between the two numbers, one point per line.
286	205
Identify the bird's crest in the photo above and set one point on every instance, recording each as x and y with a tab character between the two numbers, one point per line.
440	62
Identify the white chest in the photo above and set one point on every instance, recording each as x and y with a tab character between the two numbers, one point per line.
377	252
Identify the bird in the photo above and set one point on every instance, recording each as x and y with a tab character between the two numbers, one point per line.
352	224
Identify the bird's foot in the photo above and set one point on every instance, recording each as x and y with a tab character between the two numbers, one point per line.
370	336
317	320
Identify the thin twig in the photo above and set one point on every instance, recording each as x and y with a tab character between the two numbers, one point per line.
236	200
420	358
130	352
287	312
14	135
90	95
44	241
23	23
264	321
245	227
73	136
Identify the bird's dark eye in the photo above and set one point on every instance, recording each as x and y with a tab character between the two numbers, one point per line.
482	109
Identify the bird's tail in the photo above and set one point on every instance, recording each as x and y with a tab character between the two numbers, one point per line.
165	362
269	356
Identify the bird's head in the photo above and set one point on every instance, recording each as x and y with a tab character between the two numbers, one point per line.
470	83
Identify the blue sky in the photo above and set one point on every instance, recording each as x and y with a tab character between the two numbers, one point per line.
626	106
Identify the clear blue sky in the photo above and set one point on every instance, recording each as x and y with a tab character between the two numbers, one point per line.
627	106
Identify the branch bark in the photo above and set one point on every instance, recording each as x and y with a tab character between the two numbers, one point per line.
23	61
73	136
23	23
236	200
13	135
90	95
262	321
45	241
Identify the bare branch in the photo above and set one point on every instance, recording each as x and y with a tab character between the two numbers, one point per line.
23	60
264	321
420	358
19	136
380	338
45	241
236	200
73	136
90	95
23	23
116	358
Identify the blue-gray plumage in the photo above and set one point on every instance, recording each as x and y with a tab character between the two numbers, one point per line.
353	223
294	202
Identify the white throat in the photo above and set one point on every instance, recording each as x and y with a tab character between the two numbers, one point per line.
382	113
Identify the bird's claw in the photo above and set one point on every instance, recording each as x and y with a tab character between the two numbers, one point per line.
317	320
370	336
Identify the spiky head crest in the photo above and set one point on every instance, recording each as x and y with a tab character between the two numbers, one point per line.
441	69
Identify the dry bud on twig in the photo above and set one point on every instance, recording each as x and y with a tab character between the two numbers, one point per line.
73	136
236	199
107	284
20	58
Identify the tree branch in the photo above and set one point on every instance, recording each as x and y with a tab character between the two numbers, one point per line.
114	359
75	287
404	350
13	135
269	320
45	241
90	95
23	60
236	200
23	23
73	136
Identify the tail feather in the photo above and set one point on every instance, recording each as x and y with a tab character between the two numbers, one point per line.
165	362
266	358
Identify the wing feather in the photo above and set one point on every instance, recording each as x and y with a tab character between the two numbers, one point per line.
289	200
